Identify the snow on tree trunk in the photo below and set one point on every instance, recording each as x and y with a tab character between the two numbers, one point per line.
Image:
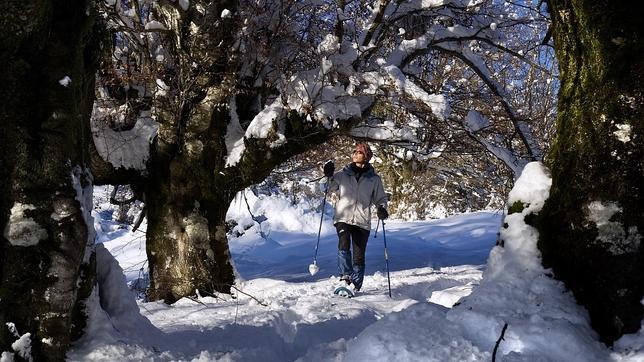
46	86
591	226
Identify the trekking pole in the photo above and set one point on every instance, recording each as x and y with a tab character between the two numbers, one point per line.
313	268
376	233
384	237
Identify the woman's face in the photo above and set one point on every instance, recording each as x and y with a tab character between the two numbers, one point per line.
358	157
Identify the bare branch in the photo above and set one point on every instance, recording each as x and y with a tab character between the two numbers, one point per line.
498	342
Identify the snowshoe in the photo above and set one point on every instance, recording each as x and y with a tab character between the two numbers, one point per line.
344	292
345	288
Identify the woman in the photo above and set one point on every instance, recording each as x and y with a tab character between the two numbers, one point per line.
358	187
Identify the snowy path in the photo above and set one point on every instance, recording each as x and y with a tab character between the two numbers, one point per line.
300	320
297	321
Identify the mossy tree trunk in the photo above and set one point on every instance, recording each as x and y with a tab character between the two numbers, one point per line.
591	226
46	268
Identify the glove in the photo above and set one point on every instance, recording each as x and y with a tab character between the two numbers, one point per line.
329	169
382	213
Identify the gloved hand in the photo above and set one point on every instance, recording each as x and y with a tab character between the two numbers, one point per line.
382	213
329	169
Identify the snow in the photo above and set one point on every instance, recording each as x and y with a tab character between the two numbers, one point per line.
475	121
388	130
234	135
22	230
446	305
48	341
612	232
420	333
532	188
23	346
128	149
262	126
154	25
114	316
85	197
65	82
600	212
623	132
436	102
309	94
544	321
162	87
631	346
450	296
329	45
12	329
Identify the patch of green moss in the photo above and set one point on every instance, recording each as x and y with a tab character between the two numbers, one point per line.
517	207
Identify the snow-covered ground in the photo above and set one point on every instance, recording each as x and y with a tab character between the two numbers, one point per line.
446	305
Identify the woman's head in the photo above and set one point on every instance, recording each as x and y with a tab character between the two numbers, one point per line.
361	153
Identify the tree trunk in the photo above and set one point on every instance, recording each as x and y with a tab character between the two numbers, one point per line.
44	118
591	226
186	239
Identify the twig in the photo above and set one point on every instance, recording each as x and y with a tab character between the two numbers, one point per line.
496	346
244	293
197	301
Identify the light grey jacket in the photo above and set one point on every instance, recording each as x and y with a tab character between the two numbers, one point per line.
355	197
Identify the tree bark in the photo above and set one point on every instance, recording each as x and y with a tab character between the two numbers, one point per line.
591	226
45	271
